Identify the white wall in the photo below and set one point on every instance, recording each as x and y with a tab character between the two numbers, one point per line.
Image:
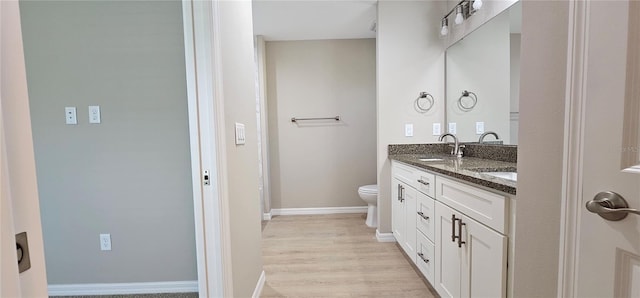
540	149
321	163
239	96
410	59
18	183
480	63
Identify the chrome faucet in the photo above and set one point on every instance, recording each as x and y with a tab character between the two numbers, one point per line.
487	133
456	146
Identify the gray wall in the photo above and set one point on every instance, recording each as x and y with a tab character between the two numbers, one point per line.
130	175
321	163
239	95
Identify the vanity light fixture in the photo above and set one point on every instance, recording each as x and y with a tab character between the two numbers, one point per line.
445	27
464	9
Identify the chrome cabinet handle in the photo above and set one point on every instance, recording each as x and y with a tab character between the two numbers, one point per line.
401	193
423	182
460	224
453	228
421	255
422	215
610	206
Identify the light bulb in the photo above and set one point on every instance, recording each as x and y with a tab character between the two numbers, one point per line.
444	31
459	18
477	4
445	27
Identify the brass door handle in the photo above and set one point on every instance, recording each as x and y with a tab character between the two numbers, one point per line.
610	206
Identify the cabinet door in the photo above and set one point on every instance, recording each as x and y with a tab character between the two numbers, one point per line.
448	254
398	223
410	217
485	265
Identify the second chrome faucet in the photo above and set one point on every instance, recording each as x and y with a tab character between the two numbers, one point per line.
457	148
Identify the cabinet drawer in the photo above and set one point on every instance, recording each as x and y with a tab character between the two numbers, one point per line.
403	173
486	207
425	183
425	218
425	255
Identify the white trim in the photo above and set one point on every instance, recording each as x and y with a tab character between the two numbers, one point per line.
260	285
194	139
124	288
206	132
266	216
326	210
385	237
574	127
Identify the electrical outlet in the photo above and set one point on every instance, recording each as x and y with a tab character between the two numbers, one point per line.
70	115
479	128
94	114
437	129
105	241
453	128
408	130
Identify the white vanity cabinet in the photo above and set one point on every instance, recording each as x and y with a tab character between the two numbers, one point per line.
455	232
471	259
413	213
404	223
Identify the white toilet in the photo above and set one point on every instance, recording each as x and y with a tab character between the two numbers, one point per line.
369	193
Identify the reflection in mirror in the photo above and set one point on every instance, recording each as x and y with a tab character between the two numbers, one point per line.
483	80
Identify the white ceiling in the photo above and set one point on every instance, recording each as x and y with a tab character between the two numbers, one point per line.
311	20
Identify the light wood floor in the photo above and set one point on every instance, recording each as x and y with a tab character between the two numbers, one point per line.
334	256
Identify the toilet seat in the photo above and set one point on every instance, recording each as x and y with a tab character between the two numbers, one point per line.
368	189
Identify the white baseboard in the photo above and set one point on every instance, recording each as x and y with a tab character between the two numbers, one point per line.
385	237
259	286
325	210
266	216
123	288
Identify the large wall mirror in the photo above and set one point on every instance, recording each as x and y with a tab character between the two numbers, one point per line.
483	80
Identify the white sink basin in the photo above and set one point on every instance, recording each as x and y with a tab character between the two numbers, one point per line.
513	176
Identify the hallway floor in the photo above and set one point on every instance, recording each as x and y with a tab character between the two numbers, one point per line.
334	256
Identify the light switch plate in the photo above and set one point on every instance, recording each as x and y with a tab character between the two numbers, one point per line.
408	130
240	134
70	115
479	128
453	128
437	130
94	114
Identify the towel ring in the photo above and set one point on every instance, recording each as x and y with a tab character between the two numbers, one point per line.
429	99
467	107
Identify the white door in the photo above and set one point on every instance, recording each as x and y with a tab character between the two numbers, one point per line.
448	255
397	210
606	258
20	211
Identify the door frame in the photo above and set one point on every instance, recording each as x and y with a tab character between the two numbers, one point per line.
207	143
574	127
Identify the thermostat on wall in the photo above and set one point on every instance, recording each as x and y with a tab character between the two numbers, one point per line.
240	135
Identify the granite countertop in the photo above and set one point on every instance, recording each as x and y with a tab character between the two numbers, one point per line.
469	169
